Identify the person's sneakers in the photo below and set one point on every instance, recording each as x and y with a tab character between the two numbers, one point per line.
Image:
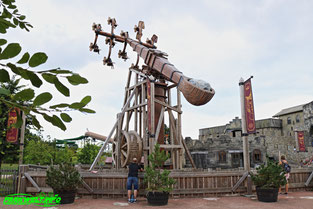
135	200
286	193
130	201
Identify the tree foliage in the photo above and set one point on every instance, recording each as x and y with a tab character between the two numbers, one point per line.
38	152
8	151
25	68
88	153
46	153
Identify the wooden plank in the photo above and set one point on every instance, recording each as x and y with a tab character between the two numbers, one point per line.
309	179
152	117
139	73
160	122
30	179
118	141
168	106
136	103
140	115
136	85
37	166
298	185
143	112
244	176
90	190
172	86
188	153
35	190
179	130
209	191
136	106
171	146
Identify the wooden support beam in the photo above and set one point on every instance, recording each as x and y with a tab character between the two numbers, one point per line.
179	131
139	73
159	125
171	146
136	84
170	127
87	187
244	176
37	166
172	124
111	133
118	141
309	180
144	122
127	86
42	189
152	116
31	180
136	106
168	106
136	103
188	153
171	86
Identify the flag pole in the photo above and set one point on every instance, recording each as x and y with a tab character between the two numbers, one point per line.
246	157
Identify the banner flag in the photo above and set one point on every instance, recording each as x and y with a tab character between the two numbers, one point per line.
12	132
249	107
301	141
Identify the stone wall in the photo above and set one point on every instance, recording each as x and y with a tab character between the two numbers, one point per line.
308	120
271	139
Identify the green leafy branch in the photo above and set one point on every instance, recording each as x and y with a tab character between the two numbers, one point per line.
25	99
11	18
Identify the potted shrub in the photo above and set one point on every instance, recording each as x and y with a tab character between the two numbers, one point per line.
158	180
267	180
64	179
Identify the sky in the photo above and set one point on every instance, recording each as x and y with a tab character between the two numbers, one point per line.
216	41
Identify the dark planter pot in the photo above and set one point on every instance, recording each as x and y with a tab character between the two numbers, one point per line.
157	198
267	195
67	197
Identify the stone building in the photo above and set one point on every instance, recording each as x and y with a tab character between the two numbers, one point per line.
221	146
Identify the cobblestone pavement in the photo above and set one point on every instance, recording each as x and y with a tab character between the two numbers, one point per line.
294	200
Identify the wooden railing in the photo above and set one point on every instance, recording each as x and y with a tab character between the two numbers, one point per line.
112	183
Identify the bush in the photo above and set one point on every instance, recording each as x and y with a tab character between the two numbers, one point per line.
157	178
271	175
63	178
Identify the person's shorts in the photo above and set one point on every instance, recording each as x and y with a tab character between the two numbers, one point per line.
287	175
132	181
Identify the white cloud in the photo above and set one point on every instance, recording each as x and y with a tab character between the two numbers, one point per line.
217	41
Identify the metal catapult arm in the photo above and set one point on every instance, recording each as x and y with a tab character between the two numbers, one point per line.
157	62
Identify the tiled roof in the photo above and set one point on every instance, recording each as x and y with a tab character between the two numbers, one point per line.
289	110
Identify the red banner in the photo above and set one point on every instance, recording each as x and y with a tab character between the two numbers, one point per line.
249	107
149	104
301	141
12	132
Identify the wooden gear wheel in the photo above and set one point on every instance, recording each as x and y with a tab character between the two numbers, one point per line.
131	147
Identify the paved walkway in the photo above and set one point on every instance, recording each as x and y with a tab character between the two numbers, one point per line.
294	200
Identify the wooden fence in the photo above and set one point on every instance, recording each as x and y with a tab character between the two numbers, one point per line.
8	181
112	183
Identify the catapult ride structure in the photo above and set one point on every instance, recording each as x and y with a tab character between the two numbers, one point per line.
148	101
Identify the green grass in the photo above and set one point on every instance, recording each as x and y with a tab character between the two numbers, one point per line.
9	166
